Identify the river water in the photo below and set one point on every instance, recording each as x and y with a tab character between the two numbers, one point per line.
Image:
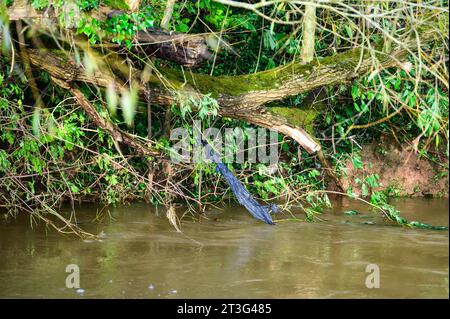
228	254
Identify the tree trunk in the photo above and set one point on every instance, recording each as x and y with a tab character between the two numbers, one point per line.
309	33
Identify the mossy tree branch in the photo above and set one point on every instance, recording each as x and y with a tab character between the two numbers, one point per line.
241	97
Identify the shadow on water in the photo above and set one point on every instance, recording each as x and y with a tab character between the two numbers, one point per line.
229	254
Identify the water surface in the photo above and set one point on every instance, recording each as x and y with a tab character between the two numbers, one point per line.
230	255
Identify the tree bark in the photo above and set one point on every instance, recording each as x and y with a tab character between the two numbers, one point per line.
188	50
309	33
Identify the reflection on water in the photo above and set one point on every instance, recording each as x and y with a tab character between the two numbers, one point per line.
230	255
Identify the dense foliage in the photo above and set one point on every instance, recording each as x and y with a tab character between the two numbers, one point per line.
51	152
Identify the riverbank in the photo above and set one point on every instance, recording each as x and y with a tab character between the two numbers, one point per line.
401	171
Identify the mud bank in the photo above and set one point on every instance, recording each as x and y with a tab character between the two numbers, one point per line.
402	171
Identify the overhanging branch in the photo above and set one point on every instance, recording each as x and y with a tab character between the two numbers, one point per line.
241	97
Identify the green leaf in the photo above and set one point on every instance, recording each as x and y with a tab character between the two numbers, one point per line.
349	31
365	190
357	162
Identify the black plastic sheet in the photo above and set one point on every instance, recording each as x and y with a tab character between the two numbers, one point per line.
258	211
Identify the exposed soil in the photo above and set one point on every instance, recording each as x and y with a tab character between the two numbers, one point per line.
401	171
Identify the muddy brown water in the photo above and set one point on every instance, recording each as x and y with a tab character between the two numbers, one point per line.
230	255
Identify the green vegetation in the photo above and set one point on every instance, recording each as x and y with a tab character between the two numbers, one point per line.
53	151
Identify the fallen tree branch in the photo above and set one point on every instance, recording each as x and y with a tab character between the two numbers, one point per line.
242	97
66	70
189	50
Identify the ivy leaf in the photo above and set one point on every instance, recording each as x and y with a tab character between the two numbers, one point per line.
357	162
365	190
